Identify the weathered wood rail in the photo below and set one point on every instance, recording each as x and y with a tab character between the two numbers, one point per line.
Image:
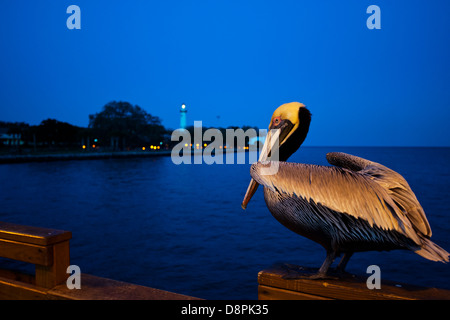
49	251
285	282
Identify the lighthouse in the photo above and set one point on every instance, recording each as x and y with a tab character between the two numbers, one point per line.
183	112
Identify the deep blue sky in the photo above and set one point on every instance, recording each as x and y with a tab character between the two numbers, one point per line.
237	59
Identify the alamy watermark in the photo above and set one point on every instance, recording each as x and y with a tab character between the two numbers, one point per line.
209	146
74	280
374	20
74	20
374	280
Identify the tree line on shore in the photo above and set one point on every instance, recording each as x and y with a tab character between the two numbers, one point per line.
119	126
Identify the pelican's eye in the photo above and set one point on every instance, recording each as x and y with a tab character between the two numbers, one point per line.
276	121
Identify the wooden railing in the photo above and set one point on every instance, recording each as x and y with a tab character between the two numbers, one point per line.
287	282
48	250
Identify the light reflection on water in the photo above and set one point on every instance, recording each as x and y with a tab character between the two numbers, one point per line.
181	227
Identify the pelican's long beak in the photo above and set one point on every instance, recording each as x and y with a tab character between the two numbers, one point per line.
269	150
250	192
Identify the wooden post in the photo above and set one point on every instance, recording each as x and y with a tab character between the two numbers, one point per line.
56	273
289	282
47	249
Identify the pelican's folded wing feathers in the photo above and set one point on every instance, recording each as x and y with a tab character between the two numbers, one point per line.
339	189
394	183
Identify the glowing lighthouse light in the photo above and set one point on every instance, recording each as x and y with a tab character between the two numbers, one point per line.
183	112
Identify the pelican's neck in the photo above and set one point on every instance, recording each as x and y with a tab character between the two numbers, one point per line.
296	139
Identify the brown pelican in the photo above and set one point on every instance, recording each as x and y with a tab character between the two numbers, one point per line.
355	205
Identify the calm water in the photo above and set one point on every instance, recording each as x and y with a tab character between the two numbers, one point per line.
181	228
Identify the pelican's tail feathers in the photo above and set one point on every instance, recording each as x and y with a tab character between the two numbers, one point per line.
432	251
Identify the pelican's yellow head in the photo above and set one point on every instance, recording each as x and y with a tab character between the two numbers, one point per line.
288	128
284	113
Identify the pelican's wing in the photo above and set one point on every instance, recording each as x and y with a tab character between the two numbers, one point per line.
338	189
395	185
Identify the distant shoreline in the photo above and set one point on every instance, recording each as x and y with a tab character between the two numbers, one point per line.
46	157
24	158
7	159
